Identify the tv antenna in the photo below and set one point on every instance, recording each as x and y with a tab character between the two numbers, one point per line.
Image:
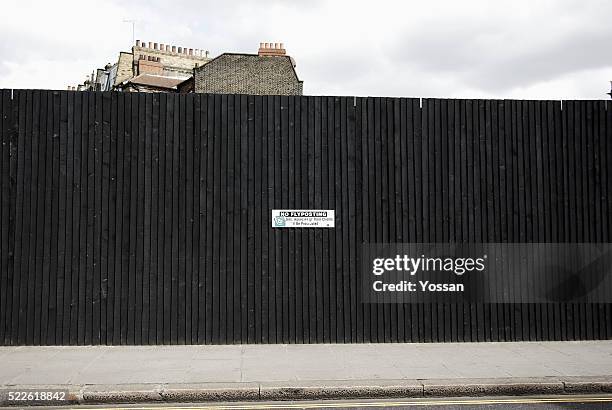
133	22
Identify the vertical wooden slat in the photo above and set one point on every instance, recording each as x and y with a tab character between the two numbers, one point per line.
221	271
69	270
278	281
195	103
105	149
288	127
325	130
240	222
309	173
126	230
200	138
167	141
83	220
132	191
176	299
7	206
358	306
417	234
186	105
24	174
119	142
5	187
145	180
255	152
13	147
248	169
155	289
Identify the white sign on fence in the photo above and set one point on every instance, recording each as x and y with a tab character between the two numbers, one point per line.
303	218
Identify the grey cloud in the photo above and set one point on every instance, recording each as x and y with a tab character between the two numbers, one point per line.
581	51
485	55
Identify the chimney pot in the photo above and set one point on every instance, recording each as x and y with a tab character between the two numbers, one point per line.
271	49
180	50
154	46
161	47
206	52
191	51
174	49
137	43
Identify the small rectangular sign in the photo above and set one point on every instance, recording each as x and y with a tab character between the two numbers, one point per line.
303	218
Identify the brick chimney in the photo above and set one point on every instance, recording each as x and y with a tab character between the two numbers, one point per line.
271	49
146	66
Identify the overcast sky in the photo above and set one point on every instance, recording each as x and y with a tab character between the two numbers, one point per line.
557	49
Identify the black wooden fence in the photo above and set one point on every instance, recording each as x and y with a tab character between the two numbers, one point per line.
145	218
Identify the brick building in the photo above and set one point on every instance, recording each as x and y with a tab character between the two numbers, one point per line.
270	71
149	67
165	68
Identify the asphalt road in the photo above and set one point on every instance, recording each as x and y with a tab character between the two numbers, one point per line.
514	403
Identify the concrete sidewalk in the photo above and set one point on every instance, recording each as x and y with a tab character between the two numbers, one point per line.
251	372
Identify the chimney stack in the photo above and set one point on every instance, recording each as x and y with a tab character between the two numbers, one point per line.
137	43
150	66
271	49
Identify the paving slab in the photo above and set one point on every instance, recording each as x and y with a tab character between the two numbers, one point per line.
302	370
